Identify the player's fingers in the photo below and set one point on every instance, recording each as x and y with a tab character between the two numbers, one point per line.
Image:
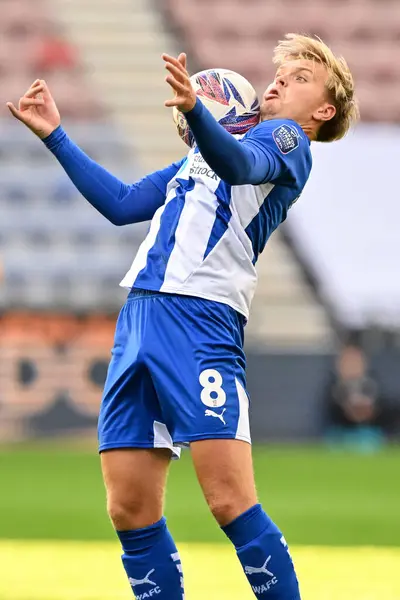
34	84
45	90
45	87
177	73
177	101
27	102
176	85
14	111
183	60
34	89
171	59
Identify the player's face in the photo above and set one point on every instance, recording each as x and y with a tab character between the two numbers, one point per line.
299	93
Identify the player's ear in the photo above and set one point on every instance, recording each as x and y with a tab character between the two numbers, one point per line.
325	112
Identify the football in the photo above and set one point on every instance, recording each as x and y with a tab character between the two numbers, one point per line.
229	97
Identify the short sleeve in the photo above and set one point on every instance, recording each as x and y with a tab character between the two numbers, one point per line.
287	146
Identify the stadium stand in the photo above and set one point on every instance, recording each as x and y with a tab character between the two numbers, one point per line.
121	43
32	43
124	43
284	311
51	240
57	251
62	261
367	33
239	33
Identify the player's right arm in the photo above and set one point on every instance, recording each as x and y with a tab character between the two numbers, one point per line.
264	155
118	202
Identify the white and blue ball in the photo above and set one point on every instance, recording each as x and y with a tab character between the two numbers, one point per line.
229	97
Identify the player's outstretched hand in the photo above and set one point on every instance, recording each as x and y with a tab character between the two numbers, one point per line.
37	110
179	80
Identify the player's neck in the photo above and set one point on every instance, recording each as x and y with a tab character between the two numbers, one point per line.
309	130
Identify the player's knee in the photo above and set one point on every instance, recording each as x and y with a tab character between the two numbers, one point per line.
123	514
133	513
225	507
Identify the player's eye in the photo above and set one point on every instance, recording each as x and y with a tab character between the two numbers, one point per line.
301	78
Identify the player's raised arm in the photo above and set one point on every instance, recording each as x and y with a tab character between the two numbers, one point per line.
235	162
118	202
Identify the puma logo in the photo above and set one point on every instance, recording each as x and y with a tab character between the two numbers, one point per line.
212	413
263	569
135	582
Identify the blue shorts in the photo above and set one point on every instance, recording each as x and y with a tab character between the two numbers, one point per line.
177	374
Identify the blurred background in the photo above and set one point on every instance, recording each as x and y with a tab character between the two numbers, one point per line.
323	340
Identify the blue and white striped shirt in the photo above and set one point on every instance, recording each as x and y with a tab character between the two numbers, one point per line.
205	238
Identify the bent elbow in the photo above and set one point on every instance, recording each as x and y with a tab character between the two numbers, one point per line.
117	219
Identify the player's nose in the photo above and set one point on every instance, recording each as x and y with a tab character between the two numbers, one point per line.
281	81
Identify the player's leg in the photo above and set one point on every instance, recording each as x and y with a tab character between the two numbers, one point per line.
136	449
225	472
227	481
135	501
135	482
200	382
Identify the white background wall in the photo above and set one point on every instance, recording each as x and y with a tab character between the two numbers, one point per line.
347	224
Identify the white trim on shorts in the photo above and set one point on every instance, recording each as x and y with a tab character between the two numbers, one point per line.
163	439
243	428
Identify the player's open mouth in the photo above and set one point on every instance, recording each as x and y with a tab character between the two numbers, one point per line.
271	95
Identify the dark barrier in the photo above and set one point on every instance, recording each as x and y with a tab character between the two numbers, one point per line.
52	370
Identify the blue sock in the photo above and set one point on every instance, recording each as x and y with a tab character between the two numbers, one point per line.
152	562
264	555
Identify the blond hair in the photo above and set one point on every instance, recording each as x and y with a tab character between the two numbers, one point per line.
340	83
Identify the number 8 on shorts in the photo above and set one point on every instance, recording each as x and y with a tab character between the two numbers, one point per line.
212	393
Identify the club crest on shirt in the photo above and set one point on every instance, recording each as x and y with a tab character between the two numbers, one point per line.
286	138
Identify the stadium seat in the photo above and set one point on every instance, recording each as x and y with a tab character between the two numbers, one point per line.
365	32
51	238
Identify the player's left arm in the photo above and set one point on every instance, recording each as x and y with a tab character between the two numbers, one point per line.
264	155
120	203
